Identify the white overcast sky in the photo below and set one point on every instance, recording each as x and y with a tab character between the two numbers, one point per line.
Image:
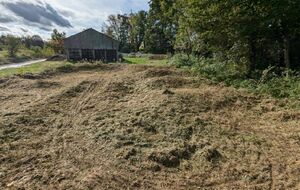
28	17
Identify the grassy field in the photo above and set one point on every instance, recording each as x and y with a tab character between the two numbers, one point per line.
34	68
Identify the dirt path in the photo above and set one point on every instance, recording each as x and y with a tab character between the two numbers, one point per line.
142	127
22	64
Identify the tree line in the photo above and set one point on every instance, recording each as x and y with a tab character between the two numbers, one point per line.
257	33
35	43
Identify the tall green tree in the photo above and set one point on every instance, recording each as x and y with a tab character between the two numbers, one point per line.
138	29
161	27
57	41
257	31
31	41
119	27
13	45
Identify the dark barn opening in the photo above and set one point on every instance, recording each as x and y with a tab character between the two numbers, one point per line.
91	45
87	54
100	54
75	54
111	55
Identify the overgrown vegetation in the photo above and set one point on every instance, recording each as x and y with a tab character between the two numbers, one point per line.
272	81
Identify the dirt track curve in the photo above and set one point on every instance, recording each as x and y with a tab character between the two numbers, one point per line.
142	127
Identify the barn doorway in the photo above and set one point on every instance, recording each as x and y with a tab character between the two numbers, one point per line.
111	55
106	55
87	54
100	55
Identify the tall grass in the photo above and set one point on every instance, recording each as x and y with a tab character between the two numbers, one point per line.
269	81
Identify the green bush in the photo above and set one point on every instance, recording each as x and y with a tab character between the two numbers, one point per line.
281	87
219	71
48	52
42	52
37	51
183	60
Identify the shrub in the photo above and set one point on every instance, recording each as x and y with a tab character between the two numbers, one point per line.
47	52
219	71
42	52
281	87
183	60
37	51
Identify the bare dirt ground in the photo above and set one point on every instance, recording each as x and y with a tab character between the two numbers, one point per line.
142	127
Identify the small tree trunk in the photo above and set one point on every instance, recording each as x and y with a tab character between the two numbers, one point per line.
286	50
253	56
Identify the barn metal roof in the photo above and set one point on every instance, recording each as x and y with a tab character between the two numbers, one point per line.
91	39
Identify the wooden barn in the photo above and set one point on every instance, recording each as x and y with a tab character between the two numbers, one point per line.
91	45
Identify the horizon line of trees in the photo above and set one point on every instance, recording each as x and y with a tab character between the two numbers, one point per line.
258	34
